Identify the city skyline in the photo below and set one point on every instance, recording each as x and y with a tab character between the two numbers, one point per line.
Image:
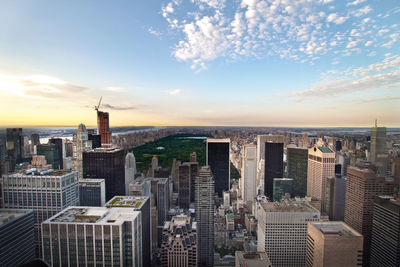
200	62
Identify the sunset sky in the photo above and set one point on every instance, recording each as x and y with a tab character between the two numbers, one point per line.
200	62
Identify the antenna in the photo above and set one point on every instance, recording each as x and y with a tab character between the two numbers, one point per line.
98	106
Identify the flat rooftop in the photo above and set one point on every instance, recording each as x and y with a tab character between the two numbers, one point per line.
325	149
95	215
104	150
7	215
90	180
287	206
53	173
126	202
253	259
218	140
335	229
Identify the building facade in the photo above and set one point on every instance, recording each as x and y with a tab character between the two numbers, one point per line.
332	244
17	237
321	165
14	147
217	157
92	192
51	153
362	186
103	128
297	164
93	236
184	176
249	173
179	242
204	202
80	144
378	155
107	164
46	194
335	196
282	231
385	241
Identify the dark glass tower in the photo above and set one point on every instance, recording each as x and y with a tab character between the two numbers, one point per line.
273	166
297	162
218	159
14	146
108	164
58	142
51	153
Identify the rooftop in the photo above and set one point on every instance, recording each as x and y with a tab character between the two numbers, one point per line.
335	229
325	150
89	180
104	150
38	173
253	259
215	140
126	202
7	215
98	215
287	206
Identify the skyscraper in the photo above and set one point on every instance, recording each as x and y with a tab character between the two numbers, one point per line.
205	216
321	165
297	163
194	168
385	241
93	236
141	204
379	155
59	143
130	170
51	153
17	237
249	173
331	244
108	164
81	143
362	186
179	242
335	195
103	128
184	185
282	231
14	146
46	192
217	157
273	162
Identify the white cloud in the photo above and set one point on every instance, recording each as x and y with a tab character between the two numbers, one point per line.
154	32
335	18
376	99
362	11
368	43
394	37
115	89
356	2
176	92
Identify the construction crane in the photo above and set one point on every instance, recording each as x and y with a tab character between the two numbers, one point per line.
98	106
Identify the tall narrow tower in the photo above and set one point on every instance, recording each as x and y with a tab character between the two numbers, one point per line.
205	216
379	156
103	126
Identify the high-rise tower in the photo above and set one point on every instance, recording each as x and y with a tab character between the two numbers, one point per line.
217	157
205	216
379	156
103	126
249	173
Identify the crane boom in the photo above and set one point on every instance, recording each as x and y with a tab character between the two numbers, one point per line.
98	106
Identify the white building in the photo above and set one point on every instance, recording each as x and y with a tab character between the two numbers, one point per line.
93	236
81	143
130	170
249	173
45	192
282	231
321	165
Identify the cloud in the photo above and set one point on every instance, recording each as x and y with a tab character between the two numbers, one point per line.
154	32
376	99
108	106
302	31
176	92
356	2
116	89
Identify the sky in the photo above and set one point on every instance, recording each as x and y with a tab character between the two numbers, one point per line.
310	63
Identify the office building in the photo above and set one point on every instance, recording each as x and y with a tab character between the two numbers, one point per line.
282	187
130	170
93	236
362	186
217	157
335	195
184	185
321	165
179	242
270	162
282	231
385	241
154	165
51	153
297	164
17	237
14	147
95	138
378	155
251	259
59	143
249	173
331	244
92	192
141	204
45	192
81	143
107	164
204	202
